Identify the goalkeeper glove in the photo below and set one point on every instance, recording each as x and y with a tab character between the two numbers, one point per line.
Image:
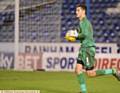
72	33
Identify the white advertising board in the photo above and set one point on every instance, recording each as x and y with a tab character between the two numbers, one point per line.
104	48
67	62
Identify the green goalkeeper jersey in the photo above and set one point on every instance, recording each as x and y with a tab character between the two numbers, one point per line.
85	33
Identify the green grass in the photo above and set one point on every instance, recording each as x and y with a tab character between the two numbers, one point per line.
56	82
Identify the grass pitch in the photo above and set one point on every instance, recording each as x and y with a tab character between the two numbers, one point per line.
56	82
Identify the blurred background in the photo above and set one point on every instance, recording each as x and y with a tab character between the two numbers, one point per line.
42	25
35	55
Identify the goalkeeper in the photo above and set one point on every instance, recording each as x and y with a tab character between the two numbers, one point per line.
86	55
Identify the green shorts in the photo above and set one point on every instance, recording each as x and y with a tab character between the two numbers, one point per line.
87	57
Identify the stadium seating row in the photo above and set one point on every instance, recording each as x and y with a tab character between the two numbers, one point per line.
50	23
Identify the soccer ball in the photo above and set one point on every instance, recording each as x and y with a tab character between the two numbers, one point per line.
70	38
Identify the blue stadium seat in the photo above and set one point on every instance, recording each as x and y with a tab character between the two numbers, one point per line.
38	25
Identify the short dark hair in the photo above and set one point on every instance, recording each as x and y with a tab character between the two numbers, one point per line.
83	6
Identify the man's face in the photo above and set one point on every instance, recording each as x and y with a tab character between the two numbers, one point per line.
79	12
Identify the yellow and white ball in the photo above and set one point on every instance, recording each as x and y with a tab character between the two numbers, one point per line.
70	38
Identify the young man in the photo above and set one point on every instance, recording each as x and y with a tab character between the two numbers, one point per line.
86	54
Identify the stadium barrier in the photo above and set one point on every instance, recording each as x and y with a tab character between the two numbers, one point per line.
51	56
67	61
